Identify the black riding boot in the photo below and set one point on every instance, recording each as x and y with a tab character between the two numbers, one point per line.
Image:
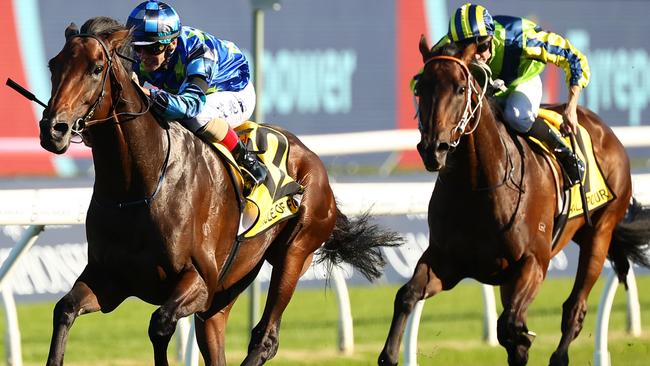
573	167
255	171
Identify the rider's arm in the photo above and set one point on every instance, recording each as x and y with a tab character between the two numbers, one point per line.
551	47
188	103
190	99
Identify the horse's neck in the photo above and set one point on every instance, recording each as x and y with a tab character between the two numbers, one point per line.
485	152
128	151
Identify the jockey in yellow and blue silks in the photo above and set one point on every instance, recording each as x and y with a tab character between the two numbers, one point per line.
517	50
194	78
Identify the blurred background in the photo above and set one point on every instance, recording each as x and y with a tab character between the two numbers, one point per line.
330	67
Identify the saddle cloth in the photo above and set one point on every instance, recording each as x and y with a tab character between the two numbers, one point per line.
596	189
278	197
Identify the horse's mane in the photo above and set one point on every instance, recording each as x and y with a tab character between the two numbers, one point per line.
104	26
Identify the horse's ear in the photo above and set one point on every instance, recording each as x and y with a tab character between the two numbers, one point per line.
468	53
72	30
117	39
425	50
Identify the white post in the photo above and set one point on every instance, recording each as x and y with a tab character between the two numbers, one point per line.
633	307
489	316
12	341
26	241
21	248
182	334
346	332
601	354
191	347
411	335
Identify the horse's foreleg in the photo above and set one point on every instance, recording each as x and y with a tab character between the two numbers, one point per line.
516	296
574	309
189	297
211	336
89	294
422	285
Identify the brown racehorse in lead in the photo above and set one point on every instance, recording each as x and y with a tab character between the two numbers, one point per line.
164	215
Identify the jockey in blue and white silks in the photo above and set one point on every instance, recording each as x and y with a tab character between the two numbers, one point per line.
195	78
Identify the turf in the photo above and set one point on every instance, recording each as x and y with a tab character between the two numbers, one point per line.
450	331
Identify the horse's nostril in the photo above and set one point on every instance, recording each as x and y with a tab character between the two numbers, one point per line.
61	127
443	146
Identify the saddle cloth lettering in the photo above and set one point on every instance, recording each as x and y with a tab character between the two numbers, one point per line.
278	197
596	189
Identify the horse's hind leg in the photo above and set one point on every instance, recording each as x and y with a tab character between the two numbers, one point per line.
89	294
516	296
422	285
284	278
189	297
592	257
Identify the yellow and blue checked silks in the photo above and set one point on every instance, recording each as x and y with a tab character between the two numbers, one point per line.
596	189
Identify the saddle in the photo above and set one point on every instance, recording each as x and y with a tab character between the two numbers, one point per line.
278	197
596	189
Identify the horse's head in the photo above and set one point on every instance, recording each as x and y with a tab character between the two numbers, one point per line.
444	96
80	74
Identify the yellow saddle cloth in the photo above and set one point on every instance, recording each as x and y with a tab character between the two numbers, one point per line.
278	197
596	189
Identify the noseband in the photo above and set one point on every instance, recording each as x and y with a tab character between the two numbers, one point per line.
469	113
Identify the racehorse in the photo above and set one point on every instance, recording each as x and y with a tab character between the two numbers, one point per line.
163	220
491	214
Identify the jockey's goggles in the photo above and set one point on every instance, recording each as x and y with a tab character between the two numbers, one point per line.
150	49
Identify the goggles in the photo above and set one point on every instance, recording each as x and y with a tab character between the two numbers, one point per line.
150	49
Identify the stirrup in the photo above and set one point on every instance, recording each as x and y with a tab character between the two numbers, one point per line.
254	174
573	167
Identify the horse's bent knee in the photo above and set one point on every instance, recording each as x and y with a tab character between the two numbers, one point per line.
65	311
161	325
406	298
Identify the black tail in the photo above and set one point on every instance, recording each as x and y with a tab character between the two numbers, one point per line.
358	243
631	241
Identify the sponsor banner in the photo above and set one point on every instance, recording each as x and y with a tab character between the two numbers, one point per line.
330	66
50	268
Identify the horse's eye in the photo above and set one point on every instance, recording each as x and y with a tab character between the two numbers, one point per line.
461	89
98	69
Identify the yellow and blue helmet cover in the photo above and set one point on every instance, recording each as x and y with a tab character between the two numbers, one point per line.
470	21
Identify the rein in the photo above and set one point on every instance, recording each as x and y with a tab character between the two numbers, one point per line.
82	123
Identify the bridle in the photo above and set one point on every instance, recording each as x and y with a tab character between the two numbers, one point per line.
471	89
82	123
470	113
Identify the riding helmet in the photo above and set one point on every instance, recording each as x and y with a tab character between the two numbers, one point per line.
154	21
470	21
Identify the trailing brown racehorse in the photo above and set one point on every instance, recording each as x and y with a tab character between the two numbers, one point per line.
164	215
492	211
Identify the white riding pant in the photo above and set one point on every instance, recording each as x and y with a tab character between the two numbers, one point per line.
234	107
522	105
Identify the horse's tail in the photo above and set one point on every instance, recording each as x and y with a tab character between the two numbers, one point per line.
631	241
357	242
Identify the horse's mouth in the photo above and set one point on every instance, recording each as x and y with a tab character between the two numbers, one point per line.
55	137
434	160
